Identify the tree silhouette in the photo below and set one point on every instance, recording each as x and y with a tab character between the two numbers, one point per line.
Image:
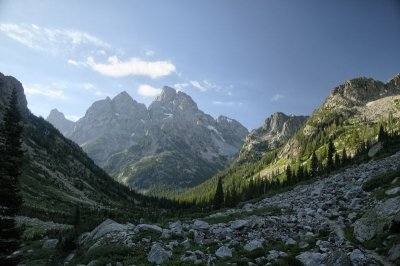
331	150
219	195
314	165
11	156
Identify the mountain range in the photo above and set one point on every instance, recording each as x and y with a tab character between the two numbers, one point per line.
169	145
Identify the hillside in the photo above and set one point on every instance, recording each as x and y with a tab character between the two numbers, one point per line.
57	175
168	146
349	218
350	118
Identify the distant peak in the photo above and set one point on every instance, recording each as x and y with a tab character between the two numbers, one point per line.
55	110
55	113
168	90
122	95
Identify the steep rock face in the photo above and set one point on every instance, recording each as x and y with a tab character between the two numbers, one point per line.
360	99
57	175
277	129
60	122
358	92
110	126
7	83
171	144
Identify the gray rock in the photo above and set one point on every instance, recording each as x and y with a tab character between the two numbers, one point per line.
389	207
358	258
367	227
223	252
196	257
104	228
394	253
239	224
176	228
290	241
337	258
93	263
186	243
50	244
200	225
158	254
253	244
311	258
149	228
392	191
166	234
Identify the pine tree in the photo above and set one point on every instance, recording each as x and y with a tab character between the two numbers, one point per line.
337	161
288	175
11	156
381	134
300	173
331	150
219	195
344	157
314	165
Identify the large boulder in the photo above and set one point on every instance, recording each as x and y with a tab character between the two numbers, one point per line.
149	228
104	228
223	252
158	254
311	258
253	244
200	225
50	244
373	222
239	224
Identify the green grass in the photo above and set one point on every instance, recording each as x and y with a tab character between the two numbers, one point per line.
380	181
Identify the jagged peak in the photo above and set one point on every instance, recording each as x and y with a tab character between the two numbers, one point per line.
55	113
123	98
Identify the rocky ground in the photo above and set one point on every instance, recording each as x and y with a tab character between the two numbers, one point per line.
328	222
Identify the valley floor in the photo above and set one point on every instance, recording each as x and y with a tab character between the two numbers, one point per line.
332	221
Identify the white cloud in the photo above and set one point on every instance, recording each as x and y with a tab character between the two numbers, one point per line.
72	117
149	52
277	97
88	86
51	93
221	103
206	85
148	91
133	67
197	85
75	63
181	86
51	39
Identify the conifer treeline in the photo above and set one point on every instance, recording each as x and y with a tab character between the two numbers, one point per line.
11	156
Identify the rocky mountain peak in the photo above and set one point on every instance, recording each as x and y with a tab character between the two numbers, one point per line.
394	83
7	83
167	93
55	114
172	104
58	120
123	98
278	128
359	91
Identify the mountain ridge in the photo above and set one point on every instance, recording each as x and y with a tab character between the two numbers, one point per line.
125	138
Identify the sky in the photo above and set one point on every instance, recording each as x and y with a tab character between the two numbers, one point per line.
242	59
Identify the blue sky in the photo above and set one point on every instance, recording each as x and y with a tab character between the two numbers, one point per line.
242	59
